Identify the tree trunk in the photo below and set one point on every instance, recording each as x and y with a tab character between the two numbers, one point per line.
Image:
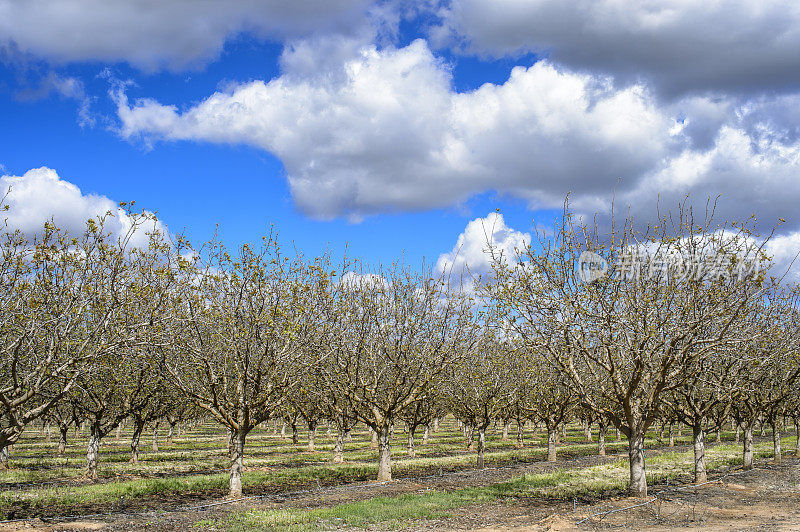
312	431
231	436
373	444
119	432
295	436
62	440
797	437
671	434
436	424
747	447
425	434
699	454
719	435
155	437
411	451
469	434
93	453
338	448
384	455
738	437
638	480
601	440
4	457
481	446
588	432
552	434
47	437
506	424
237	454
170	433
135	448
619	435
137	434
283	429
776	441
520	434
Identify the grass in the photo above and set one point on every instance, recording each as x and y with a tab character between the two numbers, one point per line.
194	466
405	509
391	511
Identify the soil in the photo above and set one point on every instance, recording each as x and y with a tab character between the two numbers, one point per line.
766	498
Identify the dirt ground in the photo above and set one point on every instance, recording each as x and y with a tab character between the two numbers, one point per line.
767	498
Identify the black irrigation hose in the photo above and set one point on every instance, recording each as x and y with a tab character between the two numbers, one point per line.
280	496
332	488
658	493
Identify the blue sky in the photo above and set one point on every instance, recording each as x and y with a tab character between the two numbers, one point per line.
389	126
194	186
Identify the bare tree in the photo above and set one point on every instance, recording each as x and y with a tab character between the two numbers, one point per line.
420	413
627	338
766	368
397	333
62	296
243	333
479	387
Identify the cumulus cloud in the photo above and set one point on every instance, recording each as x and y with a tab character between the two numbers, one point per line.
363	137
679	45
785	253
745	173
483	241
153	34
384	131
379	130
40	195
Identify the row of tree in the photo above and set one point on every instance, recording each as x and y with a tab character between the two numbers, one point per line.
97	330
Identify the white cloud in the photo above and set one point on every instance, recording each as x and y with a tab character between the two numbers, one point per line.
154	34
680	45
753	173
64	86
483	241
784	250
367	137
383	130
40	195
362	130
